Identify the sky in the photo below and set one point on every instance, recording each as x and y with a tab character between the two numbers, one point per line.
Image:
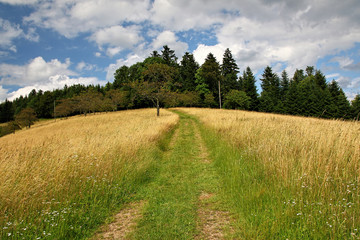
45	44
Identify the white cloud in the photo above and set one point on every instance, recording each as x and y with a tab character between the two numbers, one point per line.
130	60
8	32
72	17
19	2
202	51
81	66
169	38
3	94
36	71
117	37
54	82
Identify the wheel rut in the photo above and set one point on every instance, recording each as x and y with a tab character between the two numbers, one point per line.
187	170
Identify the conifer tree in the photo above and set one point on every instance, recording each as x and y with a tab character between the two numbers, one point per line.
249	87
188	69
284	85
229	71
169	56
355	107
340	106
211	73
270	94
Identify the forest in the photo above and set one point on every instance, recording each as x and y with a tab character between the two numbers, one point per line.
163	81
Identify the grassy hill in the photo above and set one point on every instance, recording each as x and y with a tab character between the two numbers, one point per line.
191	173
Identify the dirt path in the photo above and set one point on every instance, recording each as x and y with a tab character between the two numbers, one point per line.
213	223
124	223
182	202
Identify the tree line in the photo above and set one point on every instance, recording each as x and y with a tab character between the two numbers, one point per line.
162	80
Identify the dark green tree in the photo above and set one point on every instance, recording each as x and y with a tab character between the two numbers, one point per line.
188	69
340	106
121	77
249	87
211	74
6	111
229	71
169	56
270	95
284	85
355	107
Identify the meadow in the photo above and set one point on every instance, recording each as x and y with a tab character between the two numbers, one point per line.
61	179
271	176
285	176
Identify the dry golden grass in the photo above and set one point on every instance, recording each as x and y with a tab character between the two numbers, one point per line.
294	177
48	161
287	143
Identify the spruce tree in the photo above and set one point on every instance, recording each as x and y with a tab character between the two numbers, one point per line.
229	71
249	87
211	73
188	69
355	107
270	95
340	106
169	56
284	85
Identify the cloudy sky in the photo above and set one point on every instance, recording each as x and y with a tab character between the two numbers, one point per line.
47	44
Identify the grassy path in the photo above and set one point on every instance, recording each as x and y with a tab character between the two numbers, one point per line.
182	197
182	201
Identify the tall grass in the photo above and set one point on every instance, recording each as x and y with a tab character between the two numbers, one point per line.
62	179
288	177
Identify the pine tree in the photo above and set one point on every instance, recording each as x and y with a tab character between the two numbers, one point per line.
249	87
284	85
188	69
355	107
340	106
270	94
169	56
211	73
229	71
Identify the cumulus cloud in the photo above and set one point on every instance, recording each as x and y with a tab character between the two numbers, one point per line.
70	18
201	52
117	38
54	82
36	71
19	2
169	38
130	60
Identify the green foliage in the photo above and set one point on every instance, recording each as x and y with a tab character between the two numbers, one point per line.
236	99
355	107
209	100
270	94
188	70
211	74
229	71
248	86
306	93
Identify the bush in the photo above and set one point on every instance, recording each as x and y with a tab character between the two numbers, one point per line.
237	100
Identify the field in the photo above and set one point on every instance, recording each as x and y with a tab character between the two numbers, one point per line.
188	174
293	177
64	173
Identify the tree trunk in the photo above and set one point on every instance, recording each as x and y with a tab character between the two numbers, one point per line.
157	108
219	95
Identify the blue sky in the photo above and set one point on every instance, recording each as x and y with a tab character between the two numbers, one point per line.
47	44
